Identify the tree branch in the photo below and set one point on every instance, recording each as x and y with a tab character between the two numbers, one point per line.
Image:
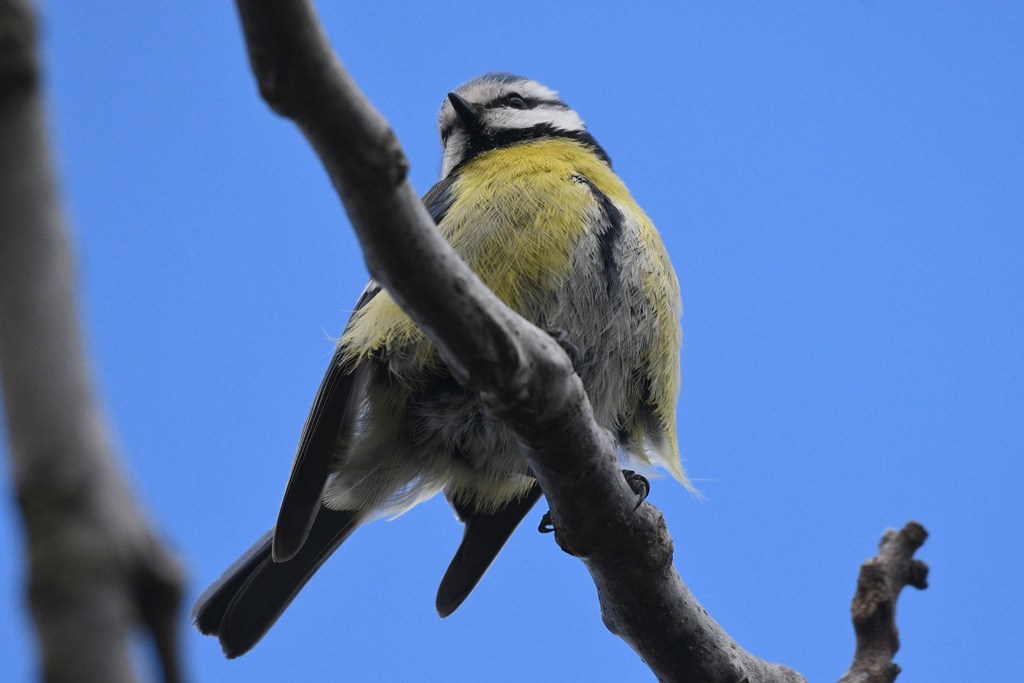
874	604
519	371
96	569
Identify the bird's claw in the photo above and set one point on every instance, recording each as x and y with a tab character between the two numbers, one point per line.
561	337
638	482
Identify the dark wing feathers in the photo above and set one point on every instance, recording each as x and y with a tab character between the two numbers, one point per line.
439	199
334	409
242	605
332	412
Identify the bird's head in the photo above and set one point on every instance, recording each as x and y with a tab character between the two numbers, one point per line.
498	110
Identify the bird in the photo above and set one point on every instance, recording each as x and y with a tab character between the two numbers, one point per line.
529	200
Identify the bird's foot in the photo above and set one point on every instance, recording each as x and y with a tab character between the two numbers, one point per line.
638	482
561	337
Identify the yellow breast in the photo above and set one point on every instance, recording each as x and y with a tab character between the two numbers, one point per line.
516	216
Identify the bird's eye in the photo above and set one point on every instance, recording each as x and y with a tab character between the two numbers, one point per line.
516	102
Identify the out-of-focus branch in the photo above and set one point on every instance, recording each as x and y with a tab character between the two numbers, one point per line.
96	569
519	371
874	604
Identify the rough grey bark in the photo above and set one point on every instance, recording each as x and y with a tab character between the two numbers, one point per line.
519	371
95	568
874	604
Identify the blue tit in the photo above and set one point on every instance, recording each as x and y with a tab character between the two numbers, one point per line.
529	200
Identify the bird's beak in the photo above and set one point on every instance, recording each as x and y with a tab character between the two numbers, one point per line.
468	113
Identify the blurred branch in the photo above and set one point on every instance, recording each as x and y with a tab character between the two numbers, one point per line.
520	372
96	569
881	580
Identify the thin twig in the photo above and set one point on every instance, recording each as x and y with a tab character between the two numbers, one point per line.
881	580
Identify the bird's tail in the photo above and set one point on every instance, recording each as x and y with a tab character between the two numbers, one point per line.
241	606
483	539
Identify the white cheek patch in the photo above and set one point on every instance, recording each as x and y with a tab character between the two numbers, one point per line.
454	151
561	119
447	117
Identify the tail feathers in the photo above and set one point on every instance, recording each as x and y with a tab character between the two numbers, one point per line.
483	539
241	606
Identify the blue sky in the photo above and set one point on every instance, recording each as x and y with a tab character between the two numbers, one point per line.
840	187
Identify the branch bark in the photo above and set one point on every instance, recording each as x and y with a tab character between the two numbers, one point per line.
881	580
96	569
518	370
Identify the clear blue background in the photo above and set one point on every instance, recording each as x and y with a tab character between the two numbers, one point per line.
840	187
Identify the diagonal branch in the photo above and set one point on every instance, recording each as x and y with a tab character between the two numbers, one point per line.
519	371
881	580
96	568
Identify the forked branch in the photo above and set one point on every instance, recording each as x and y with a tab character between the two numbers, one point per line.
881	580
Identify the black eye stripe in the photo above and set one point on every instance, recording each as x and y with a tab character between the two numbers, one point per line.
531	102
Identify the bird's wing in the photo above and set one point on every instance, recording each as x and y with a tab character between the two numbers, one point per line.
439	198
483	539
335	407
